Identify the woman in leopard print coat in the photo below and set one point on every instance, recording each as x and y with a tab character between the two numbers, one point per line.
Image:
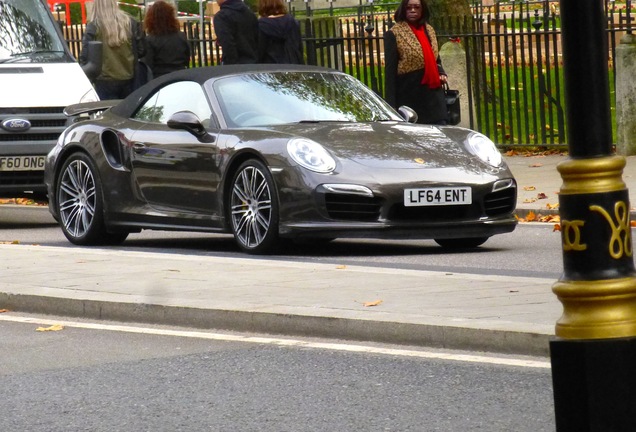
413	70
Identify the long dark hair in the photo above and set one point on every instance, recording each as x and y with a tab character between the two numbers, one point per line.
400	12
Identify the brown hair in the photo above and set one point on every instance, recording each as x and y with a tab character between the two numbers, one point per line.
160	19
271	7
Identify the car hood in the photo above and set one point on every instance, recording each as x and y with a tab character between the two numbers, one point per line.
392	145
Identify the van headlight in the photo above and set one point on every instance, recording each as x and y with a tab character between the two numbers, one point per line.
482	147
90	96
311	155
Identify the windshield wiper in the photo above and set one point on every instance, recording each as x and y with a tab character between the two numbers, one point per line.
16	57
325	121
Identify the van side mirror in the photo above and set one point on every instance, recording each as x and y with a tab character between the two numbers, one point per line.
93	66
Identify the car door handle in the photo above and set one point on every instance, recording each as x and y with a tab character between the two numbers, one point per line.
139	147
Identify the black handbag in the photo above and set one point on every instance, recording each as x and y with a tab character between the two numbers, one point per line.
142	74
452	105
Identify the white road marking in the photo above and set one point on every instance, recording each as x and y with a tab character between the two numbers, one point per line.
286	342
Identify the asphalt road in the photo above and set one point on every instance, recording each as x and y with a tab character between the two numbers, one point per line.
104	379
533	249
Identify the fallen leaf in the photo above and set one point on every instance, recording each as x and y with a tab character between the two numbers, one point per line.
513	291
341	267
4	310
541	195
557	227
10	242
552	206
632	224
550	218
373	303
529	188
529	200
531	216
536	165
56	327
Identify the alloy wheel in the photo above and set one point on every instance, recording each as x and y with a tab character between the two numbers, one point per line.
77	198
251	207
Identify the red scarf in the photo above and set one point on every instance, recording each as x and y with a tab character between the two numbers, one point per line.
431	73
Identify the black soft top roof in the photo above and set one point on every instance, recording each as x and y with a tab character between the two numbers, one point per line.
127	107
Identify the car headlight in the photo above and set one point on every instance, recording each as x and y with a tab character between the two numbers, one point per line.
482	147
311	155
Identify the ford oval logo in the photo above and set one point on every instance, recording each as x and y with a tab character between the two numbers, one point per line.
16	125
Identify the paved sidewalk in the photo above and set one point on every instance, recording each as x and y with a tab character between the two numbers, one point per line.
539	175
491	313
461	311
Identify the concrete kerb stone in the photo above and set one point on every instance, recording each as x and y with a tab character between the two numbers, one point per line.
436	336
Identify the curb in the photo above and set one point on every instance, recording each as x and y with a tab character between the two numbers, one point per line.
433	336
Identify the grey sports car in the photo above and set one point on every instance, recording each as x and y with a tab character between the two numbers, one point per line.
270	153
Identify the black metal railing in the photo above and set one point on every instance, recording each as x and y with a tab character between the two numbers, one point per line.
513	57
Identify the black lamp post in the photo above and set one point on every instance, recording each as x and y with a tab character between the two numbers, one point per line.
594	352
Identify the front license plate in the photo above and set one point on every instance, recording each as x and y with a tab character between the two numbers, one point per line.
22	163
437	196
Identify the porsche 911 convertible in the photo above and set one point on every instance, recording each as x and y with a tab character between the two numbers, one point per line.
271	154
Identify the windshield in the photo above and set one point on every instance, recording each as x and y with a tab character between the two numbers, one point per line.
274	98
27	33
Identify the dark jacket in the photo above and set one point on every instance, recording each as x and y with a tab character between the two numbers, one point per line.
167	53
279	40
236	28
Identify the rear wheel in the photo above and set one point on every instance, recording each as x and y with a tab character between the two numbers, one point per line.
80	204
253	207
462	243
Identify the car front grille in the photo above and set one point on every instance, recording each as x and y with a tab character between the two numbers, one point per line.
33	137
500	202
21	178
399	213
352	207
46	124
359	208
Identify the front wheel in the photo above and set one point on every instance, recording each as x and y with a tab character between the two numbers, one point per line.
461	243
253	208
80	204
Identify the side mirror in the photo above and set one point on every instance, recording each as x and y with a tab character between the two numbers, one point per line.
408	114
93	66
188	121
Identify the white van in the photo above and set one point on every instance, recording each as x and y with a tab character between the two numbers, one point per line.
39	77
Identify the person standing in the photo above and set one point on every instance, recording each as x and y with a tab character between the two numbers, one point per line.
167	47
279	39
236	28
123	42
413	69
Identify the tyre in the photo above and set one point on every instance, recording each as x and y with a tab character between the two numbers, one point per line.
462	243
80	205
253	208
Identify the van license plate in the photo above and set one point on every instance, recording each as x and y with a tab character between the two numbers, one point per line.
438	196
22	163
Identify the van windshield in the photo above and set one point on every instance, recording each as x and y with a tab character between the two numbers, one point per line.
28	35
